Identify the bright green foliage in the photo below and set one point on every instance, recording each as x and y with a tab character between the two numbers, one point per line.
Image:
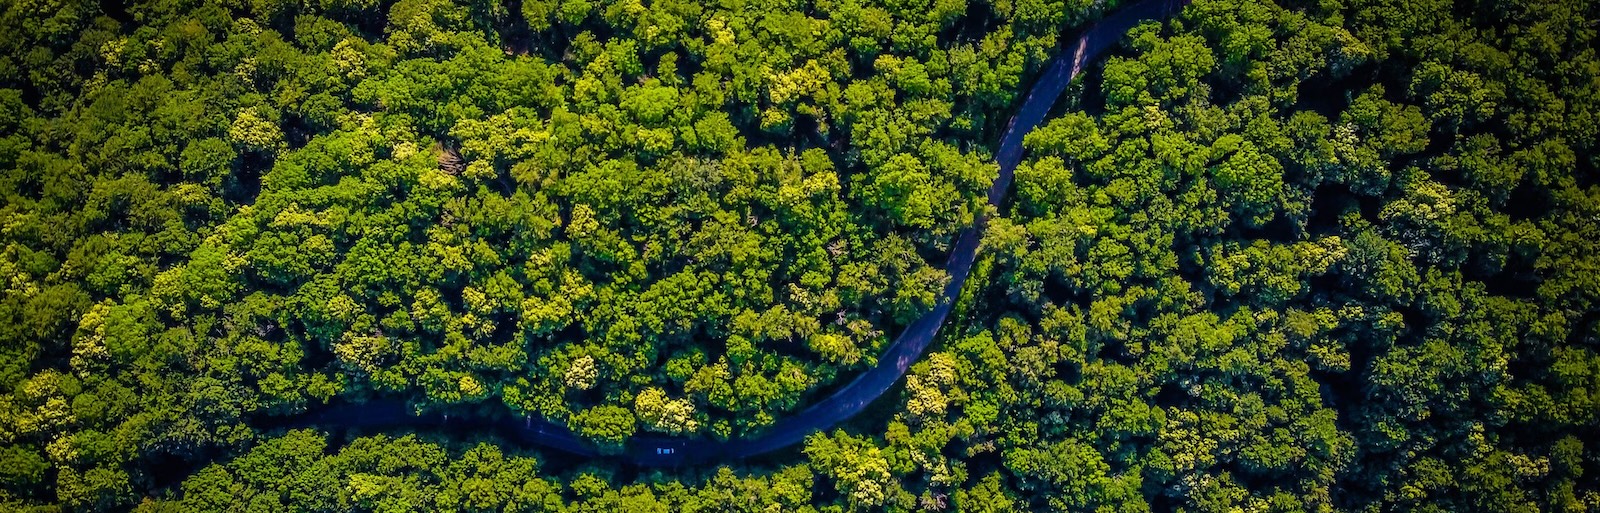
669	216
607	425
1311	256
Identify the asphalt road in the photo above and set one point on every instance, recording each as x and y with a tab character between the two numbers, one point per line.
847	401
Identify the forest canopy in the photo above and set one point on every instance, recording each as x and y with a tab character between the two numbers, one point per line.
555	207
1330	255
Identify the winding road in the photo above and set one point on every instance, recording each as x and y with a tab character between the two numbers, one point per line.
853	398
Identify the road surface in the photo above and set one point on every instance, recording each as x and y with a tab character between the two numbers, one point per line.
850	400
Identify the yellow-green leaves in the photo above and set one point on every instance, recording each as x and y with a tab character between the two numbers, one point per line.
255	131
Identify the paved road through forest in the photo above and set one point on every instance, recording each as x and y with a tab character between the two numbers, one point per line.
853	398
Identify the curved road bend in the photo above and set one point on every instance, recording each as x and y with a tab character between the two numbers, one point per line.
850	400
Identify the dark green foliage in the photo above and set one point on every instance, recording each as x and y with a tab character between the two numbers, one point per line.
1311	256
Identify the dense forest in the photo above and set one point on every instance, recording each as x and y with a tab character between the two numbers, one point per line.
1335	255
